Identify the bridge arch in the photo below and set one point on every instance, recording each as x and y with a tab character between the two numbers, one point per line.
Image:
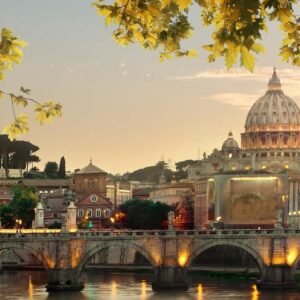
25	248
256	256
107	244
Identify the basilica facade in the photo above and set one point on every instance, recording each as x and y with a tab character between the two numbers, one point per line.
269	149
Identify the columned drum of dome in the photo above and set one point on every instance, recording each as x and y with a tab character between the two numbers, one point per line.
273	121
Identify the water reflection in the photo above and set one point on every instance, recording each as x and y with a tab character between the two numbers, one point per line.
200	292
30	285
254	293
143	290
30	288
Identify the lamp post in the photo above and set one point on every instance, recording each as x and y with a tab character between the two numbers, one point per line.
18	224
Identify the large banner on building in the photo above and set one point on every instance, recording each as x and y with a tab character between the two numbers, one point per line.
253	200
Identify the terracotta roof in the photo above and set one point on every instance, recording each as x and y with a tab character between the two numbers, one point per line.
142	191
45	182
91	169
176	185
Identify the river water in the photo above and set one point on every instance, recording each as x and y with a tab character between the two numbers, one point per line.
25	285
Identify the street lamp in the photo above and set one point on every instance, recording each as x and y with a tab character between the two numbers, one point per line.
18	223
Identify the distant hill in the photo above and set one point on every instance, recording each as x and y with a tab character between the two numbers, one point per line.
153	173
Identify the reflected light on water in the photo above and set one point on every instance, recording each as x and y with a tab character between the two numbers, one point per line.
30	288
143	290
113	288
254	292
200	292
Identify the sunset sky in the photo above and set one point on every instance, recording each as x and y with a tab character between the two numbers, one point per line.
121	106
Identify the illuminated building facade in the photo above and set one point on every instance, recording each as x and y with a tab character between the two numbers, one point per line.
270	146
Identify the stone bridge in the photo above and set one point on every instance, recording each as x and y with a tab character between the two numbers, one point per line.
65	254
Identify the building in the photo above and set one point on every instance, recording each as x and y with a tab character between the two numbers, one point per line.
91	201
170	193
118	192
268	158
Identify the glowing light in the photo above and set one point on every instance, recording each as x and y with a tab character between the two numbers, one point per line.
263	167
183	257
40	230
291	257
254	292
200	292
233	168
218	218
247	168
112	220
143	289
278	260
254	178
286	166
113	288
30	288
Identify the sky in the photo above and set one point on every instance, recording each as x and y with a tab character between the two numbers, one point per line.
121	106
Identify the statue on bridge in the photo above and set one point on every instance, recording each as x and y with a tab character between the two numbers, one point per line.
170	220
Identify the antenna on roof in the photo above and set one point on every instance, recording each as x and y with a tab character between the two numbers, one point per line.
91	160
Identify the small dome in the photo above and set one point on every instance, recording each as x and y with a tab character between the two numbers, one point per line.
273	108
91	169
230	143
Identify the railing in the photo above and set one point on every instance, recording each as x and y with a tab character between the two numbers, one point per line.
87	234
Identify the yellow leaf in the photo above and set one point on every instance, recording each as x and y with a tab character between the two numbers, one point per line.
139	37
192	53
165	3
231	55
284	14
103	11
41	117
247	59
258	48
183	3
153	9
164	55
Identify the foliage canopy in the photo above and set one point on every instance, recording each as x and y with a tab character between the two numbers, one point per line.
237	26
144	214
21	207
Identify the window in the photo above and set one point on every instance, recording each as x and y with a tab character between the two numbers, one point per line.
90	184
98	212
107	213
80	213
90	212
94	198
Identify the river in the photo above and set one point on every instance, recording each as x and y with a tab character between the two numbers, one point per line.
30	285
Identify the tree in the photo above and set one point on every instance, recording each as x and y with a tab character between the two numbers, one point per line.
21	207
144	214
11	53
237	26
182	168
51	169
152	173
23	155
6	148
62	168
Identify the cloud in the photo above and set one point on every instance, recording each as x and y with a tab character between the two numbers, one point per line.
242	101
289	77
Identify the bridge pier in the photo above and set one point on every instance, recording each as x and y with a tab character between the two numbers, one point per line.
170	278
277	277
63	280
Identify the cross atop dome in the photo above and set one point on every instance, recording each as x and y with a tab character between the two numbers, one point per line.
274	82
